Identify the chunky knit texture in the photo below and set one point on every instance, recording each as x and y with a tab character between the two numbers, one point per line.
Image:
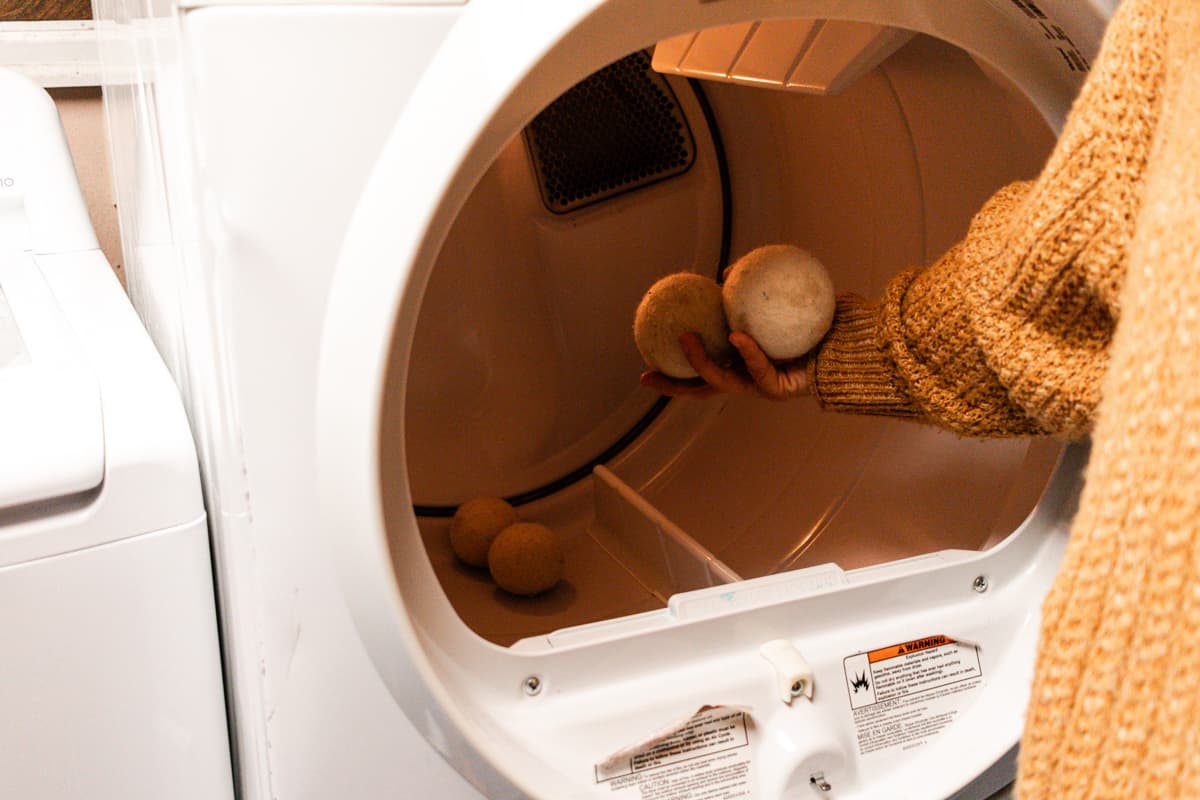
1008	333
1115	710
1013	332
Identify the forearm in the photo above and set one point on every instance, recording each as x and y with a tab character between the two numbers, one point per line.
916	353
1009	332
852	372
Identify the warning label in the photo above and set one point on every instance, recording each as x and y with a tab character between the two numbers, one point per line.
903	695
706	757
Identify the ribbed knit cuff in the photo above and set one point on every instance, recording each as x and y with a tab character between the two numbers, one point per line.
851	372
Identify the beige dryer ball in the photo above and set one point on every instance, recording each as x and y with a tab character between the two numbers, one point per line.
526	559
782	297
475	526
678	304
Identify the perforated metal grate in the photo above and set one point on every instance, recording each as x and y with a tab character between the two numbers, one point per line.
617	130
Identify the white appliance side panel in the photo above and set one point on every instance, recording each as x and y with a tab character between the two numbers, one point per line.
50	414
287	124
111	676
151	481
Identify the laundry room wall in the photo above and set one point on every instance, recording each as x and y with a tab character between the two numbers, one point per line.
82	112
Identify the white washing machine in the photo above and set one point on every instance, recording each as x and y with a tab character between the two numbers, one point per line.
391	252
110	680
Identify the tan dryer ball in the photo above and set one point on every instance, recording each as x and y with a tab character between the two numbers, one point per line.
475	526
782	297
526	559
678	304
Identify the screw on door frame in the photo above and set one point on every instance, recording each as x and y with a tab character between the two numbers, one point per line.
798	688
980	584
532	685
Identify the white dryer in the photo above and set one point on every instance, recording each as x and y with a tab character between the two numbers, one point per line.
391	252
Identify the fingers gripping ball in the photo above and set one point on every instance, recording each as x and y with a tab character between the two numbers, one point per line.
526	559
678	304
782	297
475	526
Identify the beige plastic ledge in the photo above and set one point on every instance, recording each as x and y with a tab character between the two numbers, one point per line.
653	549
800	55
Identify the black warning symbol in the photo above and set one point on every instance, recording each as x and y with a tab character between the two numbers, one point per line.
860	682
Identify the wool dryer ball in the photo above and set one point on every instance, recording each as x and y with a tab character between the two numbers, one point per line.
475	526
782	297
526	559
678	304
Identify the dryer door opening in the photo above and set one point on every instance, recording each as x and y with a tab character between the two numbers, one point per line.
523	373
478	342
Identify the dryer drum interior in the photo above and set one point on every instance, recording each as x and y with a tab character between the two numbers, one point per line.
523	373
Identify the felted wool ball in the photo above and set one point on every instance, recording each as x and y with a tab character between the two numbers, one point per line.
782	297
475	526
526	559
675	305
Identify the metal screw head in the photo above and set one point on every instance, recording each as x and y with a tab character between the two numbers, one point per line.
798	688
980	584
532	685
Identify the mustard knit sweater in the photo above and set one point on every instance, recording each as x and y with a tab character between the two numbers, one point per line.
1073	307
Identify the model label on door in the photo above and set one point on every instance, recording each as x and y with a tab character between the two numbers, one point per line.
705	757
903	695
1053	33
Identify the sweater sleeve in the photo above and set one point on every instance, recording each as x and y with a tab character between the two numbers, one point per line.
1008	332
916	353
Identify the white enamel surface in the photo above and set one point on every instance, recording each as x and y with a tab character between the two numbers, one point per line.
50	416
112	423
112	685
38	174
150	479
278	169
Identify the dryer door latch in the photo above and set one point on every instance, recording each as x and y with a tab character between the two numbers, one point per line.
793	675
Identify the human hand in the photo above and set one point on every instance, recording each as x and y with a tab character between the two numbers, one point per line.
758	375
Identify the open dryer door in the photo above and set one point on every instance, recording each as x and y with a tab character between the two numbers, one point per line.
609	672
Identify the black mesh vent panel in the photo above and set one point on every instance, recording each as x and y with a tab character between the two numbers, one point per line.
617	130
